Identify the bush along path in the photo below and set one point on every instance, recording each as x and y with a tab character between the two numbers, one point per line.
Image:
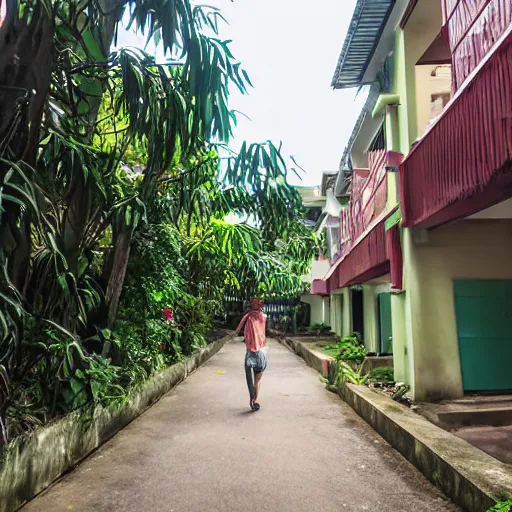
116	194
349	354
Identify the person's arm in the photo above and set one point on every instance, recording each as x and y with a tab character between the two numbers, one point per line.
240	329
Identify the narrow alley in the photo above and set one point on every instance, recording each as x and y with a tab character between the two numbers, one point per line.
200	449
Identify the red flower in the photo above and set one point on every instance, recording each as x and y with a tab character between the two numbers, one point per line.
161	347
168	314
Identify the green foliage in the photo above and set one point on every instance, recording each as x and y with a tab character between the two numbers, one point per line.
350	354
348	348
115	185
346	373
155	281
503	506
382	376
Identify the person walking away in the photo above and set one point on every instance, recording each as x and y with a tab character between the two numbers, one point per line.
253	328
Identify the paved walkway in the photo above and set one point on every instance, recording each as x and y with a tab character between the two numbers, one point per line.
200	450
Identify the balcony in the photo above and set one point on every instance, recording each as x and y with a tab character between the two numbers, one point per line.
473	27
462	164
362	252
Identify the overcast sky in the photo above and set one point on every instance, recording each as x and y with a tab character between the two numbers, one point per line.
290	50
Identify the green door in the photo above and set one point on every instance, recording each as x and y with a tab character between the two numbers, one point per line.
484	323
385	331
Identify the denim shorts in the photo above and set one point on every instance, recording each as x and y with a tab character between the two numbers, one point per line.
256	361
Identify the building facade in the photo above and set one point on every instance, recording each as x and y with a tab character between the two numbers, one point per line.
425	227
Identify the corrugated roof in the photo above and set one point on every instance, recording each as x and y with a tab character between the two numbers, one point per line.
365	29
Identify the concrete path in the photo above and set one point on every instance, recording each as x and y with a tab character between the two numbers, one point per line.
200	450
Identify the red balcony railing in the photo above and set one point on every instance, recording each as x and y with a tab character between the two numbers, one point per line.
362	238
473	27
462	164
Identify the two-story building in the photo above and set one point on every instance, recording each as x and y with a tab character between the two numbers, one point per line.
437	128
314	201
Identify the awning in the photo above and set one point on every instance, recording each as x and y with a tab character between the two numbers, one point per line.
368	21
460	166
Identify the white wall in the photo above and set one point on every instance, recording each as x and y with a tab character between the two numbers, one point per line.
319	268
320	308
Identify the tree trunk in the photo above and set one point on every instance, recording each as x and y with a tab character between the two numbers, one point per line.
116	280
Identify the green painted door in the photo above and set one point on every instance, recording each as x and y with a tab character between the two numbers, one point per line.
385	331
484	323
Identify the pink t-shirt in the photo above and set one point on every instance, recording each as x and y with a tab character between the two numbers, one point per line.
254	327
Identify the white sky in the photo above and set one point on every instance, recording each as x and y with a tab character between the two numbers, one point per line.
290	49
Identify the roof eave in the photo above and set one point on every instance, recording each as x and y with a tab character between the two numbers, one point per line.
380	23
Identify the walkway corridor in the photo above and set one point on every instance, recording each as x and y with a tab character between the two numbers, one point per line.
199	449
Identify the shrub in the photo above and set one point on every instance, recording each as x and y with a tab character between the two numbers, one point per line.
349	349
345	373
502	506
383	375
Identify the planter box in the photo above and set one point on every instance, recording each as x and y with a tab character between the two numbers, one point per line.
30	463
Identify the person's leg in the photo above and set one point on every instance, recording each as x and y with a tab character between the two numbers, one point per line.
250	382
257	382
258	374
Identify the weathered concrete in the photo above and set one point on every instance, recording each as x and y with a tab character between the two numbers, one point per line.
470	477
470	411
32	462
466	474
496	441
200	449
308	349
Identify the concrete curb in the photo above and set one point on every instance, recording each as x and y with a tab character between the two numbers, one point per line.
315	358
467	475
30	463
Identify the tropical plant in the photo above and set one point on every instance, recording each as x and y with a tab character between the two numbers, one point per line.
115	183
382	376
346	373
502	506
348	348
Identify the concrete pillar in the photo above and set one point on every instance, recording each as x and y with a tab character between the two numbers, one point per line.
332	316
371	328
326	310
336	320
400	356
431	353
347	327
